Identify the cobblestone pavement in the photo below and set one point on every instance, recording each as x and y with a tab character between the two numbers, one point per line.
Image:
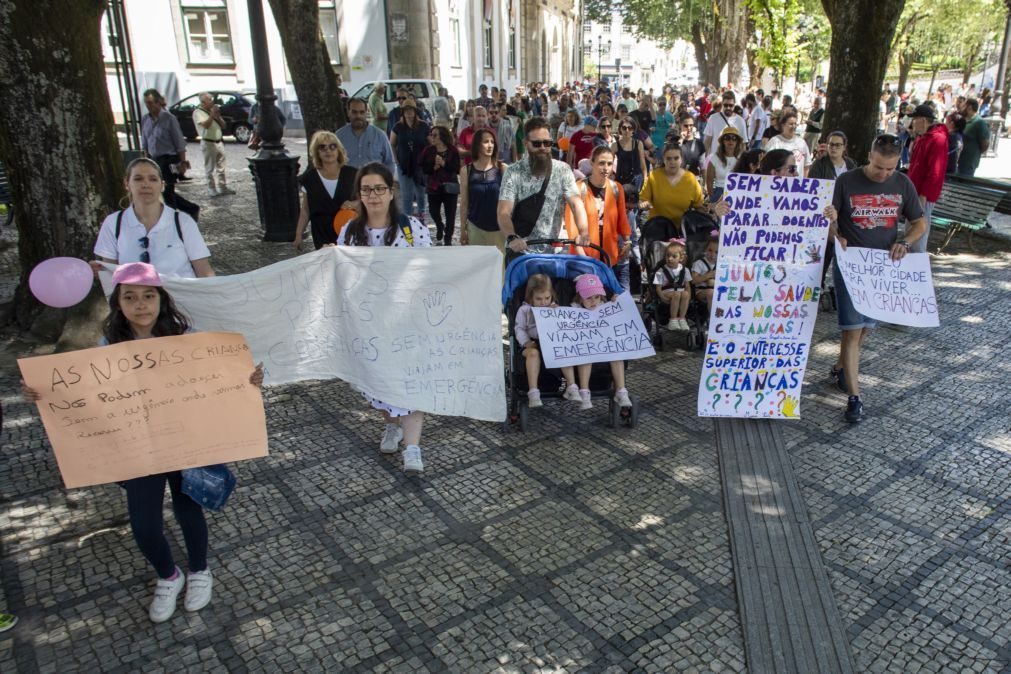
570	548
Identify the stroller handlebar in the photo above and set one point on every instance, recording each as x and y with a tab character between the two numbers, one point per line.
604	257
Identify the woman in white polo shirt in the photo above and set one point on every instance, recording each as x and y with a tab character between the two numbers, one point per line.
149	231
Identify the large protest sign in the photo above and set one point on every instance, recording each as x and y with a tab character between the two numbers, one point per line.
417	328
575	336
148	406
896	291
768	281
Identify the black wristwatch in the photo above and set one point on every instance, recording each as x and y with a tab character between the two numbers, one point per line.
904	243
512	237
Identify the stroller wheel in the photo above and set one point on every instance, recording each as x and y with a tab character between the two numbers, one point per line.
524	416
612	413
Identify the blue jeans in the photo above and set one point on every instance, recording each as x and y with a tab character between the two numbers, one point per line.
144	497
410	192
622	272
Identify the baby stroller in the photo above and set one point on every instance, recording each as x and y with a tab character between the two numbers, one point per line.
562	270
653	238
698	228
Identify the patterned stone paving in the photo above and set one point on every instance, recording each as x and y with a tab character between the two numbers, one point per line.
569	548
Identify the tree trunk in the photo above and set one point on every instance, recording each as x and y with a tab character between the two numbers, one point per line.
309	64
970	63
858	71
701	57
905	65
933	76
58	140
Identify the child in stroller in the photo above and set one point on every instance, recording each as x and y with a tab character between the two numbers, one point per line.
562	270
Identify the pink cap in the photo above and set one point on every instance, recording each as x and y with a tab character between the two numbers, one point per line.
589	285
137	274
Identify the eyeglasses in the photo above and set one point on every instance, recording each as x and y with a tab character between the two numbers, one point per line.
625	127
729	106
401	100
329	146
541	143
837	144
378	190
886	139
605	126
687	126
145	256
792	168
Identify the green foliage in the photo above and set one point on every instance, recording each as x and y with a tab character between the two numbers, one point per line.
664	21
776	37
940	33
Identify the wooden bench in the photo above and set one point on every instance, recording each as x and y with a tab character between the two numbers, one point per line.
5	196
963	207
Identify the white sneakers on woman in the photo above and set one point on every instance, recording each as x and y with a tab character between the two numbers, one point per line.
412	460
391	439
166	594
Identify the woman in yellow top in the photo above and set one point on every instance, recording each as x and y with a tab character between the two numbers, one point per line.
672	190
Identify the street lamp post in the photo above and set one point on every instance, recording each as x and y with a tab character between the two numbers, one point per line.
998	85
275	173
600	51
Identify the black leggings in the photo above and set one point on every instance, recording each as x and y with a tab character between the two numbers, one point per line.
436	200
144	497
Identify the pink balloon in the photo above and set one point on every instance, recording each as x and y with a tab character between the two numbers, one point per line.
61	282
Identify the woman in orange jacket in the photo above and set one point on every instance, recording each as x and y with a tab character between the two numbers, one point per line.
606	215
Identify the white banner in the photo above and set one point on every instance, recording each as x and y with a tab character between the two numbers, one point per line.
416	328
899	292
574	336
768	281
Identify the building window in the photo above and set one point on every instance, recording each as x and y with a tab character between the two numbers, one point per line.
587	50
512	37
208	39
328	26
626	52
454	31
487	44
587	26
626	29
109	35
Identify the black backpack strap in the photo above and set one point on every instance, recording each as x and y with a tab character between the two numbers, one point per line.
119	224
670	277
179	230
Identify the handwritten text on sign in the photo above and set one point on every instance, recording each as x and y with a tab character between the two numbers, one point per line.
417	328
768	281
900	292
574	336
149	406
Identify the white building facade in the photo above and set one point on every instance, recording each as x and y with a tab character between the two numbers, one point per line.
183	47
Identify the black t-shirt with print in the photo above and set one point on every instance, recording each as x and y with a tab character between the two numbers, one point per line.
869	212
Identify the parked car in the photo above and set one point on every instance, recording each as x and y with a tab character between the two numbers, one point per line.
234	105
424	90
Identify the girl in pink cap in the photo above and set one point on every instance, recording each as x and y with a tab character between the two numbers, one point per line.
141	308
590	294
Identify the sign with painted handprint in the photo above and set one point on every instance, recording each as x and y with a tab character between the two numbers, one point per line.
765	300
418	328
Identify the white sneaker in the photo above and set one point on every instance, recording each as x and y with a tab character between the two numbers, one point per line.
621	397
672	324
534	398
572	393
682	324
213	191
586	403
198	590
391	439
412	460
166	593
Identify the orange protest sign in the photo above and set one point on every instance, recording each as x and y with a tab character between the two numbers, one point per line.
149	406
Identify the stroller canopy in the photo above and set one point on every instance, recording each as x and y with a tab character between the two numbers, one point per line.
555	266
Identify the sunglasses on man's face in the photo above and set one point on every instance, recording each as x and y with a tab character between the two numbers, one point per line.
541	143
605	126
401	99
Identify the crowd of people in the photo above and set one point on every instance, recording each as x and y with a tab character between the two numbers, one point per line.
586	164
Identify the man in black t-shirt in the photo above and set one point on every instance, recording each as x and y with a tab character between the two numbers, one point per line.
868	203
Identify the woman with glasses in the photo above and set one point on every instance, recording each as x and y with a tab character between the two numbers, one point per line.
326	187
789	140
380	223
832	161
605	133
728	149
151	232
408	139
693	151
778	163
440	163
629	155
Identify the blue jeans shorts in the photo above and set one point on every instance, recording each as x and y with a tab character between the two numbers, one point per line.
849	317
